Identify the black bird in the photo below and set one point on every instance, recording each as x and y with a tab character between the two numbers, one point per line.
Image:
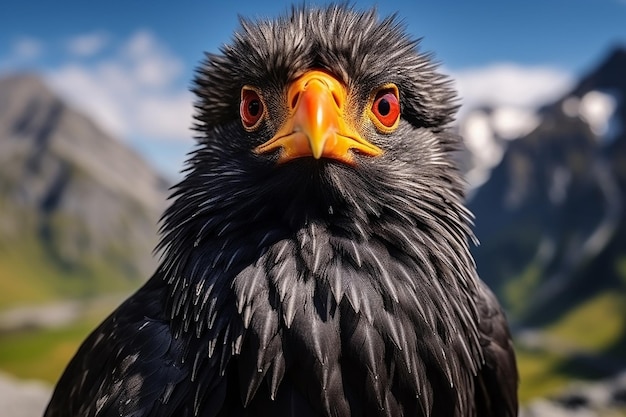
315	258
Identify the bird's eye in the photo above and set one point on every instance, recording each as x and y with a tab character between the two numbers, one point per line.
251	108
385	108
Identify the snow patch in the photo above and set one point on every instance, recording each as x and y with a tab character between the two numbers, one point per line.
514	122
598	110
513	92
480	141
485	132
570	106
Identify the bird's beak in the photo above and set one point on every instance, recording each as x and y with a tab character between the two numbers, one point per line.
316	124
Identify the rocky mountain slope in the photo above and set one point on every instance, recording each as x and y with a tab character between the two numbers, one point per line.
78	209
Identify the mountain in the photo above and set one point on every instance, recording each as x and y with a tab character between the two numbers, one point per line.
552	224
78	209
554	204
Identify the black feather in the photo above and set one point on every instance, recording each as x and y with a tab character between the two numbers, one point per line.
311	288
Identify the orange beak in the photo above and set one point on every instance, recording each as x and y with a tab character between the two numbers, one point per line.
316	124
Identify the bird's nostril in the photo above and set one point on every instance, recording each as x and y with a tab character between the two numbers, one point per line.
337	99
294	100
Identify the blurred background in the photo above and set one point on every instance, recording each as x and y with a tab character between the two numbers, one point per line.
94	127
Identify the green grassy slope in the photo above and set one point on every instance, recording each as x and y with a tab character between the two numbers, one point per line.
587	342
43	353
28	275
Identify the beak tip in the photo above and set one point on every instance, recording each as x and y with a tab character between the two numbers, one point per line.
317	146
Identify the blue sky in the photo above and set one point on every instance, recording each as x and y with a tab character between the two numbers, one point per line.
129	64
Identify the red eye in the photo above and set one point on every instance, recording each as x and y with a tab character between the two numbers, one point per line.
386	108
251	108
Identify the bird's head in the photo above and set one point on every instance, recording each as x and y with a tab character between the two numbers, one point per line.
328	114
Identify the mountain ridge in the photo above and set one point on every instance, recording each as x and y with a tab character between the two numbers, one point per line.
552	224
76	203
561	174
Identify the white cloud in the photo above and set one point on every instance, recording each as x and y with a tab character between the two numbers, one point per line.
152	64
132	93
26	49
159	115
22	54
510	84
89	93
87	45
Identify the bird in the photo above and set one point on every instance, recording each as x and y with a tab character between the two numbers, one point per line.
315	257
